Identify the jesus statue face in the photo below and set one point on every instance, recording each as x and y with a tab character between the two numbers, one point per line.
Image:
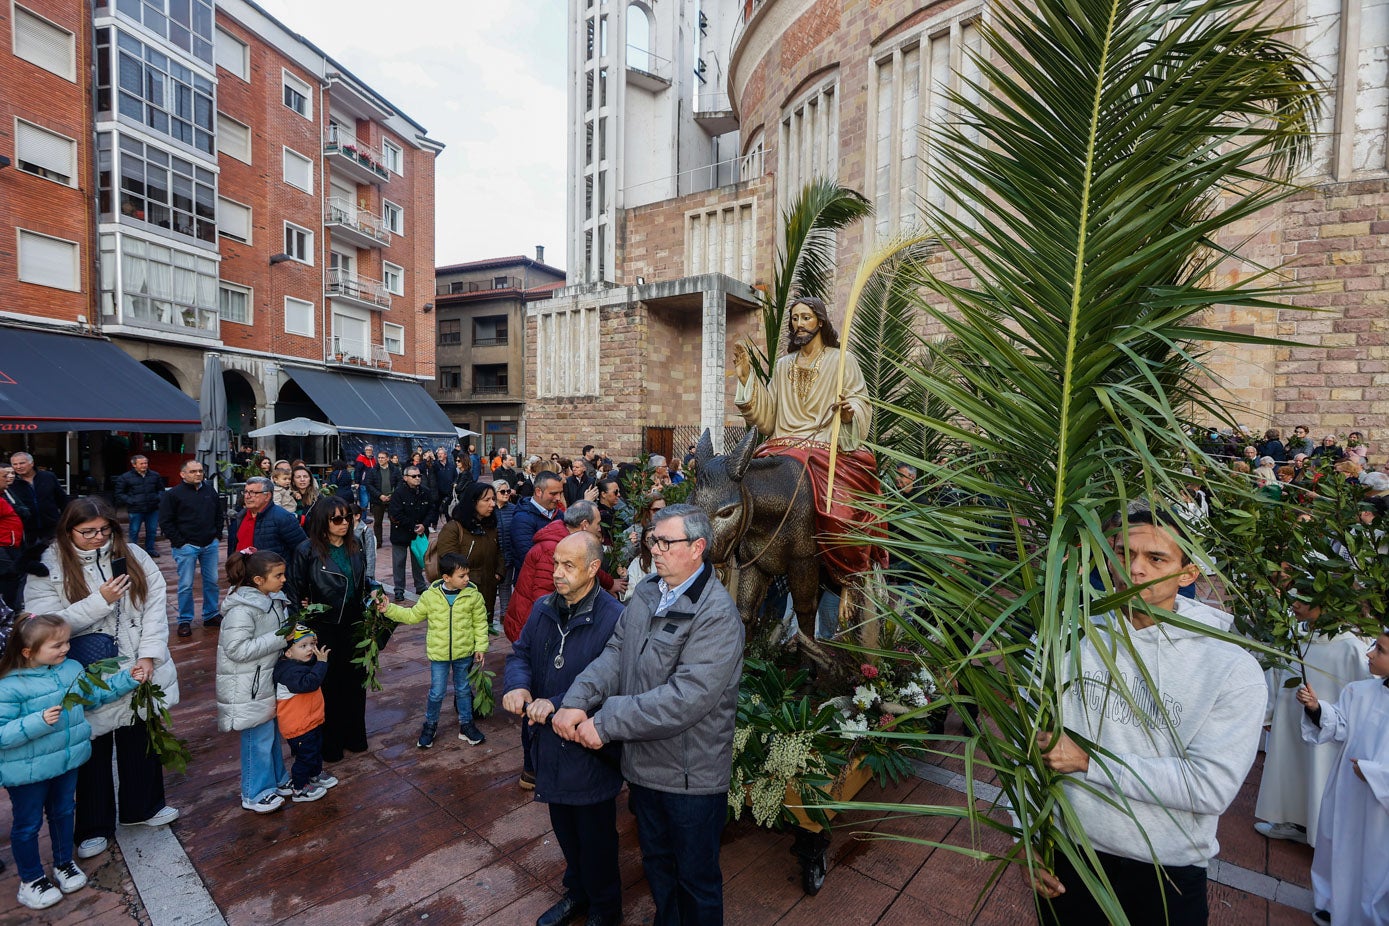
805	325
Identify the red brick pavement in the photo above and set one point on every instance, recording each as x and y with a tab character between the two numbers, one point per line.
446	834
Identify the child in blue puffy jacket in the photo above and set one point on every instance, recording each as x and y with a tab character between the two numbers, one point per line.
41	747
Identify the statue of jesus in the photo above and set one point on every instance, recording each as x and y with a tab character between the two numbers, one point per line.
796	413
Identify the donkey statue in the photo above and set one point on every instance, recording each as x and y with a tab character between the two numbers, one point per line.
763	515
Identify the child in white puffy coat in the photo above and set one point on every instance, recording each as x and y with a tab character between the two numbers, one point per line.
247	648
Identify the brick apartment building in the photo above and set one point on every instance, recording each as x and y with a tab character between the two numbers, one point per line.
480	326
225	186
693	126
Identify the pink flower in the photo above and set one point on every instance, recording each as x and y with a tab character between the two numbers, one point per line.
869	671
885	721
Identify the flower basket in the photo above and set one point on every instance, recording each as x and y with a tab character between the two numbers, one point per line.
847	784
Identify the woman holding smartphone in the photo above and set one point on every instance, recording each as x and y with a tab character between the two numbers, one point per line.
83	587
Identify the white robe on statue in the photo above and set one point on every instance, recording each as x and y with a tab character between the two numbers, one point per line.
1350	871
1295	774
781	412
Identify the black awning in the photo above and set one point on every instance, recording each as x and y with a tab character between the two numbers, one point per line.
65	382
373	404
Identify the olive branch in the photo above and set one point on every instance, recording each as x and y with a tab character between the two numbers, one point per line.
88	682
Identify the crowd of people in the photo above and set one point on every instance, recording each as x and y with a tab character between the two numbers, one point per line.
620	634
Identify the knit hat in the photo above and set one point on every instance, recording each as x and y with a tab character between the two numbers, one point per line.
298	633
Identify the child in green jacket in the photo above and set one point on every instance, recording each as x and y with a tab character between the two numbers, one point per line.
457	636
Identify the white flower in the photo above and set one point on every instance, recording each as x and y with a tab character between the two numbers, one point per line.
853	727
928	681
912	695
865	697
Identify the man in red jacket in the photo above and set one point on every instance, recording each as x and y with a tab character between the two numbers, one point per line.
537	576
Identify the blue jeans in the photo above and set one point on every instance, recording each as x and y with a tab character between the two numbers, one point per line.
150	520
262	761
438	684
187	558
679	836
364	500
57	796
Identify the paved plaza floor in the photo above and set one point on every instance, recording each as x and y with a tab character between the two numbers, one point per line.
446	836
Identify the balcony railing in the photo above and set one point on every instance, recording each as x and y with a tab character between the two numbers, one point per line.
353	353
476	286
357	154
495	341
343	285
361	226
490	389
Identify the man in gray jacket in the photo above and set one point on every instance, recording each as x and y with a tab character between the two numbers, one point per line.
666	687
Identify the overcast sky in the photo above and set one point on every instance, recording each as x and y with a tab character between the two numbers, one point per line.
486	78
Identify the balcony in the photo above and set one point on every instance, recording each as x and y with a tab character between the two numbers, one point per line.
339	284
353	158
477	286
714	113
354	226
647	70
490	389
347	352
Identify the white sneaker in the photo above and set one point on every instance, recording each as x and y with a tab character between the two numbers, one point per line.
165	816
1288	831
91	848
40	894
323	781
271	802
69	877
285	790
311	792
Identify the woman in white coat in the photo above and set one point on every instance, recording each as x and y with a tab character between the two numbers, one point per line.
81	588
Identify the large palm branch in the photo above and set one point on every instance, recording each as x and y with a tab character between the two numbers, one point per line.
1088	176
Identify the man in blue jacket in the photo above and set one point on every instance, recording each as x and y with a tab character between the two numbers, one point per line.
262	525
139	490
533	514
564	633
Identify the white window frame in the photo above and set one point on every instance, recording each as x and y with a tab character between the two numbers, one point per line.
302	87
20	236
244	157
308	244
70	72
394	156
72	153
250	227
388	208
290	154
386	328
246	291
219	37
309	313
386	268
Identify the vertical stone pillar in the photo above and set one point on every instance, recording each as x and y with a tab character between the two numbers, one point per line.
713	365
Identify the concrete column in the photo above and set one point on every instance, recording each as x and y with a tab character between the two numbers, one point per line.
714	365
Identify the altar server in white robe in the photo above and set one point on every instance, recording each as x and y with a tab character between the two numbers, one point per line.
1350	870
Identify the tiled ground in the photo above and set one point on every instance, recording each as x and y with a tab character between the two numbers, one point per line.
445	835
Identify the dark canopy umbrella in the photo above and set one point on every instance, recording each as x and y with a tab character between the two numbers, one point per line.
214	442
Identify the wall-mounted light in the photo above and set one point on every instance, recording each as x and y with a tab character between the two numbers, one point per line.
4	162
429	307
279	259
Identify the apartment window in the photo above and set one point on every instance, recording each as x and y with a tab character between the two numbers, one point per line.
393	217
40	42
394	338
232	55
298	316
161	189
298	170
48	261
809	143
489	331
233	138
233	220
187	24
299	243
297	95
147	86
450	379
234	303
45	154
394	156
393	278
490	379
450	331
162	287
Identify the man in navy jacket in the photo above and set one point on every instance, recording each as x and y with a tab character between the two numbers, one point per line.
533	514
564	633
270	528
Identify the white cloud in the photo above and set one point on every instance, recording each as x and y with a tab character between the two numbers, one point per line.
485	78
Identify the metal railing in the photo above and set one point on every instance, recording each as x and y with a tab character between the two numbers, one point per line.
341	212
490	389
337	140
352	352
338	282
476	286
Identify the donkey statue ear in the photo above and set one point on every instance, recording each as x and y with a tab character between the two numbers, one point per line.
704	451
741	456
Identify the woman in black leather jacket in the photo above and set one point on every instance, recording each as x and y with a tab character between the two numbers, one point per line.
330	569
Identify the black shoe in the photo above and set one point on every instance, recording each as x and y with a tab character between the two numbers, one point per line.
427	735
185	630
360	746
332	756
399	597
604	919
419	592
561	914
213	621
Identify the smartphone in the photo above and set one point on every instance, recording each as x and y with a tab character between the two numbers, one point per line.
118	567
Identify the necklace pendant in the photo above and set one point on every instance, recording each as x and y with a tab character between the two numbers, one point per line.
559	661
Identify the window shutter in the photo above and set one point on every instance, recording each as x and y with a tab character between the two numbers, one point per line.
233	138
233	219
45	149
47	261
231	54
298	171
38	41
